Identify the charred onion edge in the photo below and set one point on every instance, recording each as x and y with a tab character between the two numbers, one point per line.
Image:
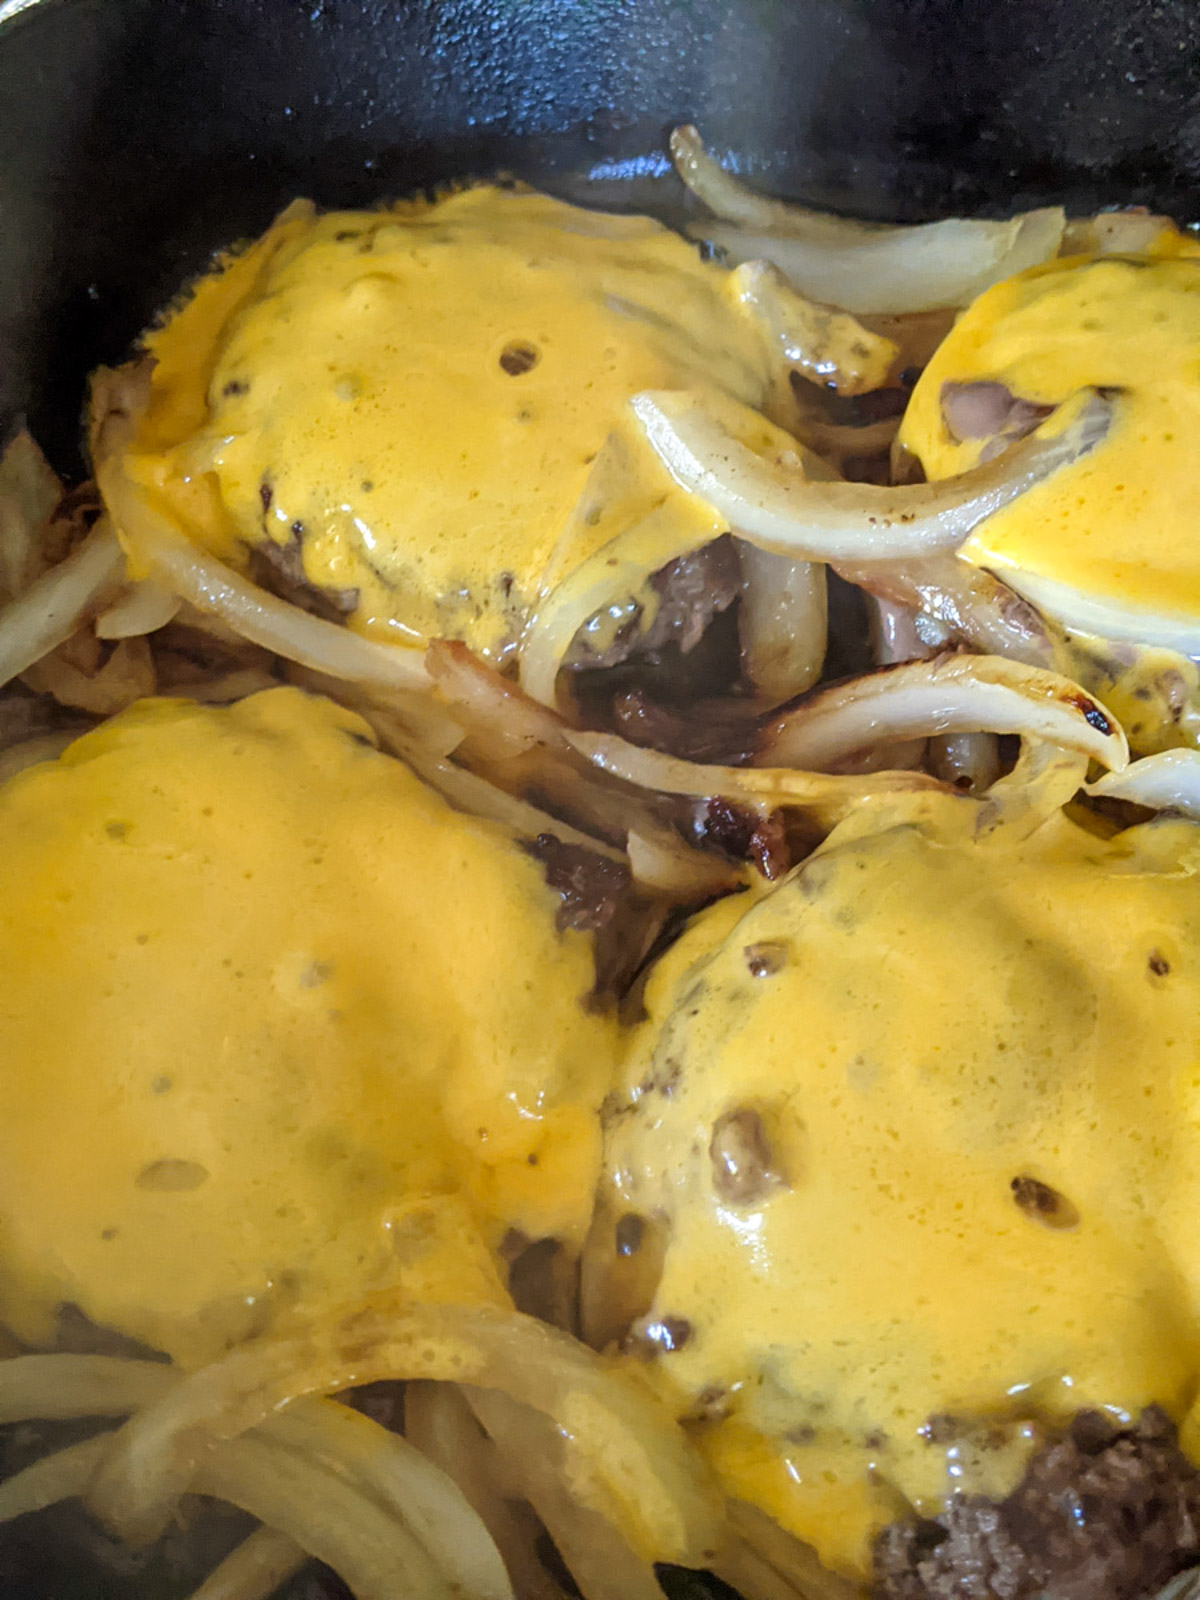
948	694
781	509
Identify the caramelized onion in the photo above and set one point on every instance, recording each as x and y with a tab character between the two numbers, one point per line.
759	789
973	605
829	347
949	694
780	508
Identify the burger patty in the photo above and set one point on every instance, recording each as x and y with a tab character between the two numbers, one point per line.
1104	1514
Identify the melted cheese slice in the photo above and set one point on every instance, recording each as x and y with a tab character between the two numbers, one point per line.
277	1028
917	1019
1109	543
410	402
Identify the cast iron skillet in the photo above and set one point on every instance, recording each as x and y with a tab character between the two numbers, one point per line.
138	135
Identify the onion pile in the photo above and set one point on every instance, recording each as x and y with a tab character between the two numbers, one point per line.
970	692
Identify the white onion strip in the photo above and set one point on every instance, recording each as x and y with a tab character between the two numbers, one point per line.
828	347
825	796
1168	781
530	1448
782	509
332	1520
624	1436
972	604
60	601
143	608
864	267
155	542
442	1426
329	1435
949	694
782	622
255	1570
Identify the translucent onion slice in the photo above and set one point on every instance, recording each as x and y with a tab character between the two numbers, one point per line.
1107	616
619	1434
159	545
143	608
468	792
780	508
949	694
531	1448
255	1570
782	622
864	267
966	761
386	1466
333	1521
59	602
1134	231
431	1504
824	796
442	1426
972	604
828	347
1168	781
1046	778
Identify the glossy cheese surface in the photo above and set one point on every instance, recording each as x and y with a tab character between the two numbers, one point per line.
958	1080
408	404
1116	526
277	1028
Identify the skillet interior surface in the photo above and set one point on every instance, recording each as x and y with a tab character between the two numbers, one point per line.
138	135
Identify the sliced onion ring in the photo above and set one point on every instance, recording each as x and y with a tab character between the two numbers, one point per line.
781	509
825	796
54	606
626	1437
865	267
949	694
783	622
325	1436
1168	781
